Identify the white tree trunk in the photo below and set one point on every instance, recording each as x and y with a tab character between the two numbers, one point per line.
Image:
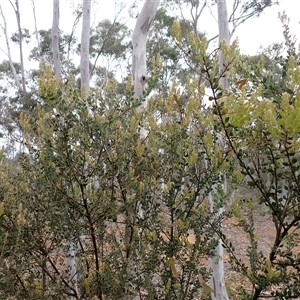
72	264
55	39
223	35
139	77
17	11
85	46
36	30
139	41
71	245
12	68
139	60
216	263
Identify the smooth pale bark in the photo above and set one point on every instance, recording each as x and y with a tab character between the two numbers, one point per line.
139	75
12	68
72	264
72	261
139	44
223	35
85	46
139	59
17	12
139	41
36	30
78	16
72	249
216	263
55	39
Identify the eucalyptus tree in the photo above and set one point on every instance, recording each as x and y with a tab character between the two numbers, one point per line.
109	49
243	10
36	27
139	42
140	77
161	44
41	50
55	39
240	12
216	262
12	67
85	47
16	9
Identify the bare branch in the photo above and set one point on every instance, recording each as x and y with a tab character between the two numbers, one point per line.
36	30
76	21
213	38
212	14
102	47
12	68
18	17
234	9
197	15
247	11
108	35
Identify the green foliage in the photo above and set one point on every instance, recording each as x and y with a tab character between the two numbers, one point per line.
135	205
259	120
109	39
87	174
25	36
161	43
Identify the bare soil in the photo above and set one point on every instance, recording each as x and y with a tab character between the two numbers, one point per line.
266	233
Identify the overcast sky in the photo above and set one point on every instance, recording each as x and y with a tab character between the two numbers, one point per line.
255	33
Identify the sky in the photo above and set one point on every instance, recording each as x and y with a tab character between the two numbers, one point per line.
267	29
254	34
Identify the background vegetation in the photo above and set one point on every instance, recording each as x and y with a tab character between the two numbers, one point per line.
83	176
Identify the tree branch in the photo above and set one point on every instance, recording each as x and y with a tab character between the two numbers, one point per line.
36	30
12	68
18	17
